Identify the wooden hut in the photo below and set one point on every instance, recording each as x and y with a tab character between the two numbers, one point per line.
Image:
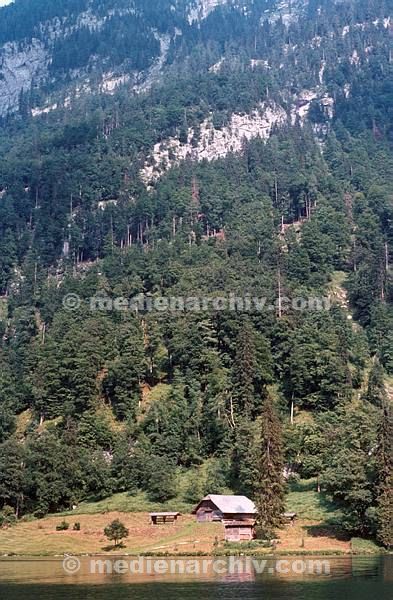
219	508
237	513
164	518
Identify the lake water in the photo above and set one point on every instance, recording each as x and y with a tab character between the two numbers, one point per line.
350	578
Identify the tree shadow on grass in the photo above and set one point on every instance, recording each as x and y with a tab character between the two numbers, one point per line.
113	547
331	527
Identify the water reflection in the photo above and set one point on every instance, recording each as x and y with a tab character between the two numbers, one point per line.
50	571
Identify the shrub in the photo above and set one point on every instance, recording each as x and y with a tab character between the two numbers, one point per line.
116	531
7	517
63	526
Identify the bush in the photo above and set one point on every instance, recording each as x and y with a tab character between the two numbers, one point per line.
116	531
63	526
363	546
7	517
77	527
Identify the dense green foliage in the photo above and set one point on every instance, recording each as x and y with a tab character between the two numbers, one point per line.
98	401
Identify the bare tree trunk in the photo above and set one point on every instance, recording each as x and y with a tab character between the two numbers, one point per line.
279	294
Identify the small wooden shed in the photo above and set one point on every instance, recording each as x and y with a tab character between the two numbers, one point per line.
164	518
239	530
237	513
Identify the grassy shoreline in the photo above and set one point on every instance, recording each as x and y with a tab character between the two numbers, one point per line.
316	531
39	538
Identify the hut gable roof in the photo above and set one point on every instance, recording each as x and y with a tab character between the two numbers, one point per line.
231	504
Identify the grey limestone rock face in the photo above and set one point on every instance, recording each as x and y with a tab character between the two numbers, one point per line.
20	65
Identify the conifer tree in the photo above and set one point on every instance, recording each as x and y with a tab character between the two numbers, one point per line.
245	458
385	476
376	392
271	486
244	369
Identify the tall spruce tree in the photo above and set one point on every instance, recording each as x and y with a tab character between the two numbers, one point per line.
385	476
376	392
244	369
271	485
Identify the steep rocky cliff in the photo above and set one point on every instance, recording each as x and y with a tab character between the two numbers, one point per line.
19	68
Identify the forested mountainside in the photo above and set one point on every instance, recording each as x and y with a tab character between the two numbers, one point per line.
196	149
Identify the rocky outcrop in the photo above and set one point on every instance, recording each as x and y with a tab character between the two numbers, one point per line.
213	143
25	63
154	73
201	9
19	67
288	11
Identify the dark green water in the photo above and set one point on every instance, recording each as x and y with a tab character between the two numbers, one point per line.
354	578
